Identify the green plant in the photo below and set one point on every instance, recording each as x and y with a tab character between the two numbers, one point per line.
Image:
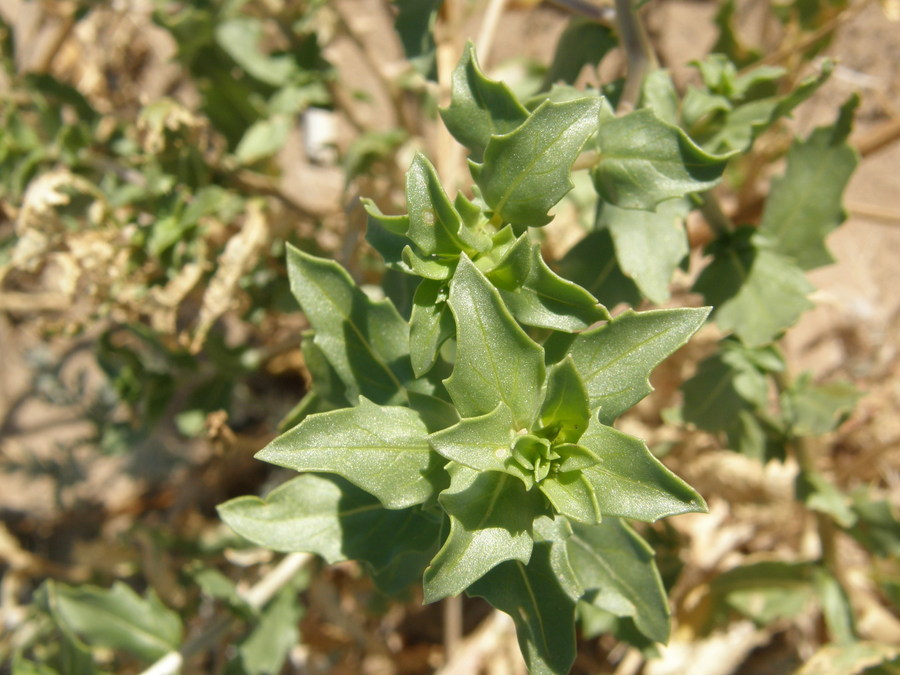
472	436
458	429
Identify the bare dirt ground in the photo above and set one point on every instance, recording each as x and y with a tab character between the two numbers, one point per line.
851	334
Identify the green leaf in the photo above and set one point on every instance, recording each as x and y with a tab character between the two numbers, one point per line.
630	482
726	383
721	76
730	393
481	443
265	649
495	360
650	245
612	560
537	296
326	381
756	292
644	161
387	235
434	224
615	360
22	666
583	42
736	129
433	267
804	205
878	524
595	622
592	264
214	584
366	342
490	521
565	412
382	450
766	591
479	107
263	139
543	612
330	517
115	618
430	325
240	38
836	607
820	494
658	93
813	410
436	412
414	23
573	496
526	172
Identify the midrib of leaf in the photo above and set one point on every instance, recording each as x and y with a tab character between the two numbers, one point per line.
625	479
524	174
360	336
359	509
484	339
742	271
602	277
534	606
621	356
493	501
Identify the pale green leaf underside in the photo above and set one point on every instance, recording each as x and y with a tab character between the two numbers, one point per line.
495	360
382	450
265	649
526	172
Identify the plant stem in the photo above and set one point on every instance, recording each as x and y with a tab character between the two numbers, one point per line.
604	15
638	53
488	30
715	217
799	445
452	610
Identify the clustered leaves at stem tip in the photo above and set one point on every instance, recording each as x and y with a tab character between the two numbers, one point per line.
483	455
